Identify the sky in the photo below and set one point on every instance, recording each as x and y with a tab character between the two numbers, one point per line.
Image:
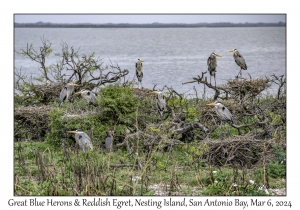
149	18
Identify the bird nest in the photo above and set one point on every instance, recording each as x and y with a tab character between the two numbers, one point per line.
31	122
47	92
252	86
243	151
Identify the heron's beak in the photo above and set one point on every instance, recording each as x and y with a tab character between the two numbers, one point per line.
211	104
218	55
142	60
75	85
71	131
154	92
77	93
231	50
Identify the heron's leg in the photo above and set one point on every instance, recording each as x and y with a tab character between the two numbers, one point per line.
215	81
240	73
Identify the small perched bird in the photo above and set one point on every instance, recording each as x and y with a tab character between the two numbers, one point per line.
88	95
160	102
239	59
66	92
83	140
109	141
222	112
139	70
212	65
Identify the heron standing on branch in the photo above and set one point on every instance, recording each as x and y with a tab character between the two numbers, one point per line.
212	65
239	59
83	140
89	96
66	92
160	102
109	141
222	112
139	70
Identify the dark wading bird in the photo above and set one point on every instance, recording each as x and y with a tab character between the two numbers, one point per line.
83	140
89	96
222	112
66	92
212	65
139	70
160	102
239	59
109	141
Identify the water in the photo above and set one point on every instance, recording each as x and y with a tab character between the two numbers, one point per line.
172	55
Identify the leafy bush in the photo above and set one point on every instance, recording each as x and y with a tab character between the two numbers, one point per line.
277	165
117	102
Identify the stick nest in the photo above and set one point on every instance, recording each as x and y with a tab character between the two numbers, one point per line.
252	87
32	122
243	151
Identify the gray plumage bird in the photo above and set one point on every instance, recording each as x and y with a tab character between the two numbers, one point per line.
109	141
222	112
239	59
139	70
66	92
212	65
83	140
160	102
88	95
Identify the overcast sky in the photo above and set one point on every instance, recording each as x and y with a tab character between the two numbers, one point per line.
151	18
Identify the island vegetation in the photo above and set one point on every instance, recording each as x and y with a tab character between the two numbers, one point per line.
183	152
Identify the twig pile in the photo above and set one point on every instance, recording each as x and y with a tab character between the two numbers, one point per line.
244	151
252	87
31	122
47	92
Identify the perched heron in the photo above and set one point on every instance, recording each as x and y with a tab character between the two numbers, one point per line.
160	102
139	70
212	65
66	92
222	112
83	140
239	59
109	141
89	96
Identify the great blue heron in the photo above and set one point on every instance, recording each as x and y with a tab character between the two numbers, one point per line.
139	70
222	112
212	65
239	59
66	92
82	139
160	102
88	95
109	141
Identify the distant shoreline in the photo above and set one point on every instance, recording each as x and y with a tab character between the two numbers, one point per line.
148	25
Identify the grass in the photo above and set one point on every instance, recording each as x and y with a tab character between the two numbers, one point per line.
41	169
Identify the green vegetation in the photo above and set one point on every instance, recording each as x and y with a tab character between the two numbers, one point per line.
41	169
